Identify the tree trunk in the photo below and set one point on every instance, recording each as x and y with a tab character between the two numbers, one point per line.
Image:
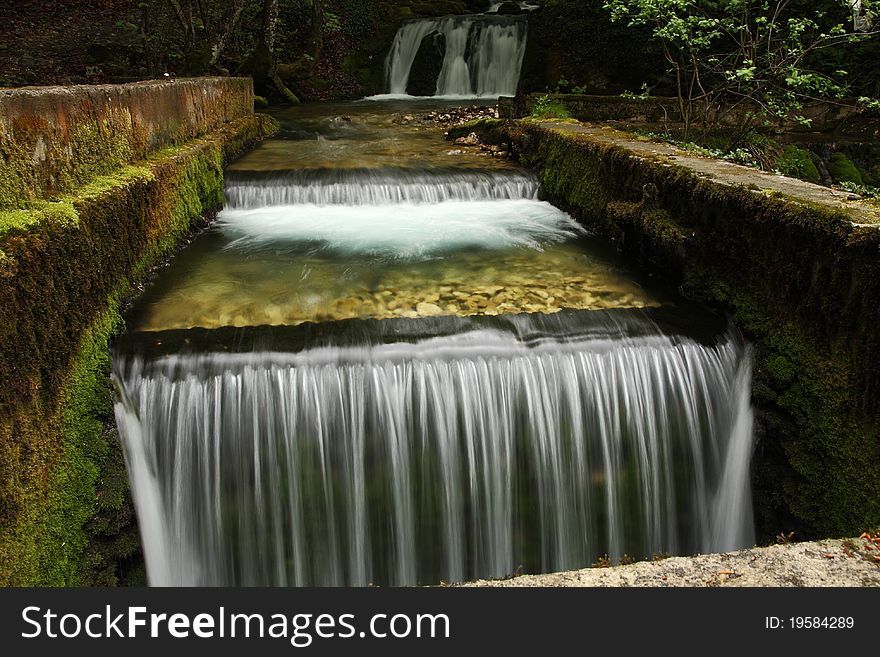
231	27
270	19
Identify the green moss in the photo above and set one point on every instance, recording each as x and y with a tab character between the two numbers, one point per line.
797	163
64	515
828	479
842	169
488	129
22	220
91	149
780	370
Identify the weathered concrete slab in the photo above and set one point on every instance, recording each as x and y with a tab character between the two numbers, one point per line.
852	562
728	173
843	119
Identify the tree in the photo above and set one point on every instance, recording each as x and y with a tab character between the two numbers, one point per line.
262	62
750	58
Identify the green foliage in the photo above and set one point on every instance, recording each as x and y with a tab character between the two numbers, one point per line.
564	86
797	163
866	191
547	108
750	53
332	23
643	94
358	17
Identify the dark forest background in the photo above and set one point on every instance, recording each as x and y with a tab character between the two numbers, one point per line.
331	48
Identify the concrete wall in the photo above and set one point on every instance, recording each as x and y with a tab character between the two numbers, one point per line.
55	138
100	183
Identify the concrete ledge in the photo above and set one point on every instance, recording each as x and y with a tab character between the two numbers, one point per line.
55	138
844	119
852	562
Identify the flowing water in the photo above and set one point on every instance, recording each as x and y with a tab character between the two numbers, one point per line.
482	55
390	362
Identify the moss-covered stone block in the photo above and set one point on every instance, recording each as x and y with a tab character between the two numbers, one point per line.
798	163
66	265
54	139
842	169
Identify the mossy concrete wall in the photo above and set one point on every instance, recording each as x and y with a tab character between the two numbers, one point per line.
798	265
71	249
53	139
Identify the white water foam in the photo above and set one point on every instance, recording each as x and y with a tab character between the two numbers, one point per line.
405	230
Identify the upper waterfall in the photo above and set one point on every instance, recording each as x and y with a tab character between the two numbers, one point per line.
482	54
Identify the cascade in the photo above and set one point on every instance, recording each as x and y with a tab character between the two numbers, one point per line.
483	54
415	372
535	442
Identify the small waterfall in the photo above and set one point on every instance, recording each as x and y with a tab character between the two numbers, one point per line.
483	57
375	187
539	442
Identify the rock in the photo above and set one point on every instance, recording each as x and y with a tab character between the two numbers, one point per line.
426	309
837	562
470	140
427	65
510	9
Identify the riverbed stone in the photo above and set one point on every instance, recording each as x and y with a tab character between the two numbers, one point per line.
426	309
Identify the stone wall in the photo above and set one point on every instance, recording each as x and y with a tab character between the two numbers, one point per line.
53	139
797	266
79	237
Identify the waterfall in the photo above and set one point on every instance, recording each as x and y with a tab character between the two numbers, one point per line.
483	55
375	187
539	442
